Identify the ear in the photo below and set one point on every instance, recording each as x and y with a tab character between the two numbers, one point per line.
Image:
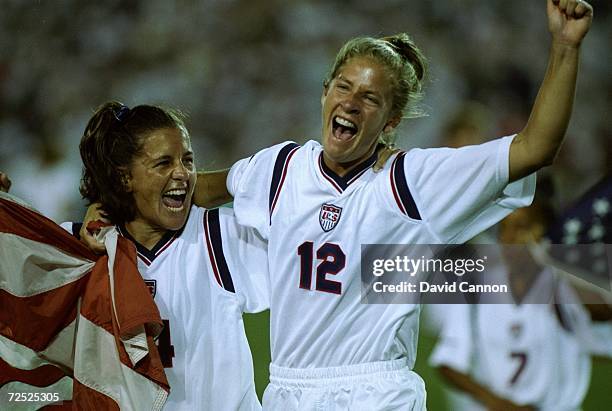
126	179
392	123
325	90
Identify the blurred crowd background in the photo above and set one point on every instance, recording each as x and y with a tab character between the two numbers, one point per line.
249	74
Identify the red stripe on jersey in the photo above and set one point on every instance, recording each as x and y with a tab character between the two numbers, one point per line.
328	178
280	185
211	253
144	259
356	177
161	250
394	187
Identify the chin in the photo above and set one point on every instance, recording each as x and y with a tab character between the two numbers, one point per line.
177	221
336	150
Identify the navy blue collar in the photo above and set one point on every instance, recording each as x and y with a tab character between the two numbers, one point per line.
144	253
341	183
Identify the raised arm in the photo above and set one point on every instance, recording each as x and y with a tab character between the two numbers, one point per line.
538	143
211	189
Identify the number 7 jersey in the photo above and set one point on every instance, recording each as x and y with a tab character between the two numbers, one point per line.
316	221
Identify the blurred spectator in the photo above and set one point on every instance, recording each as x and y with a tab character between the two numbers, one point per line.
228	62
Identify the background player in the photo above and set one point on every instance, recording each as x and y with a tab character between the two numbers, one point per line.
321	203
202	269
526	354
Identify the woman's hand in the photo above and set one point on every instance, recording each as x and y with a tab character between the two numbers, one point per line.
569	21
5	182
94	219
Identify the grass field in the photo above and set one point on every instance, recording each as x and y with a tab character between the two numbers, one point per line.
598	399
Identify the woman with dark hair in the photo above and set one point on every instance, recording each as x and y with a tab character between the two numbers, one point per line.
203	270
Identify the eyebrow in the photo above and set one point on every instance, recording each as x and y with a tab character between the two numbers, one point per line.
169	157
368	92
341	78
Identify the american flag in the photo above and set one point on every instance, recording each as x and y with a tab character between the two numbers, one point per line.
580	240
74	328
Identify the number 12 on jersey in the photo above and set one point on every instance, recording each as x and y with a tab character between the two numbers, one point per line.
332	261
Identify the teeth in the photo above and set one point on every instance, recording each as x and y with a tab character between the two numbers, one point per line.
177	192
175	209
345	123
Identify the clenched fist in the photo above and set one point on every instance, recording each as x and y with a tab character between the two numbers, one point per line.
569	21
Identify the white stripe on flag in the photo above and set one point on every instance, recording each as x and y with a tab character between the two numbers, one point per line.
99	368
17	200
135	345
58	352
33	260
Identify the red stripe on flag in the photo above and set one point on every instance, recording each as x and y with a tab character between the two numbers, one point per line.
88	399
134	304
35	321
39	377
18	220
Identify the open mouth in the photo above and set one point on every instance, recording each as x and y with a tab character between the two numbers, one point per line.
343	129
174	199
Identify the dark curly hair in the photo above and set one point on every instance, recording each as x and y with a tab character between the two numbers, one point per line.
113	137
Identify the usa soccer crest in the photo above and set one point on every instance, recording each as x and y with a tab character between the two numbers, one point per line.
329	216
152	286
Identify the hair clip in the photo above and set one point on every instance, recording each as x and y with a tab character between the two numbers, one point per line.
122	113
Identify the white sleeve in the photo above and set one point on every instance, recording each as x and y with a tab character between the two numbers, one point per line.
249	181
247	257
455	345
602	339
582	326
462	192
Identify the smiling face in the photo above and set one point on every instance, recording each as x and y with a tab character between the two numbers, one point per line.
356	110
161	179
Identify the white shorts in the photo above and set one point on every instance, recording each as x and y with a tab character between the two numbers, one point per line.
377	386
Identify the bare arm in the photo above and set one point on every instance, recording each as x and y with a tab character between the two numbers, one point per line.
211	189
484	395
538	143
598	308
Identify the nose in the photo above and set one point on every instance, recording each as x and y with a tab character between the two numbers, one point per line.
181	172
350	104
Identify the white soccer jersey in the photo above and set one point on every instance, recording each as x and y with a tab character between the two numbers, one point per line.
316	221
202	279
532	354
602	339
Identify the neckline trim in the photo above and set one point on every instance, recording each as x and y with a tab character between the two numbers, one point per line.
342	183
146	255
